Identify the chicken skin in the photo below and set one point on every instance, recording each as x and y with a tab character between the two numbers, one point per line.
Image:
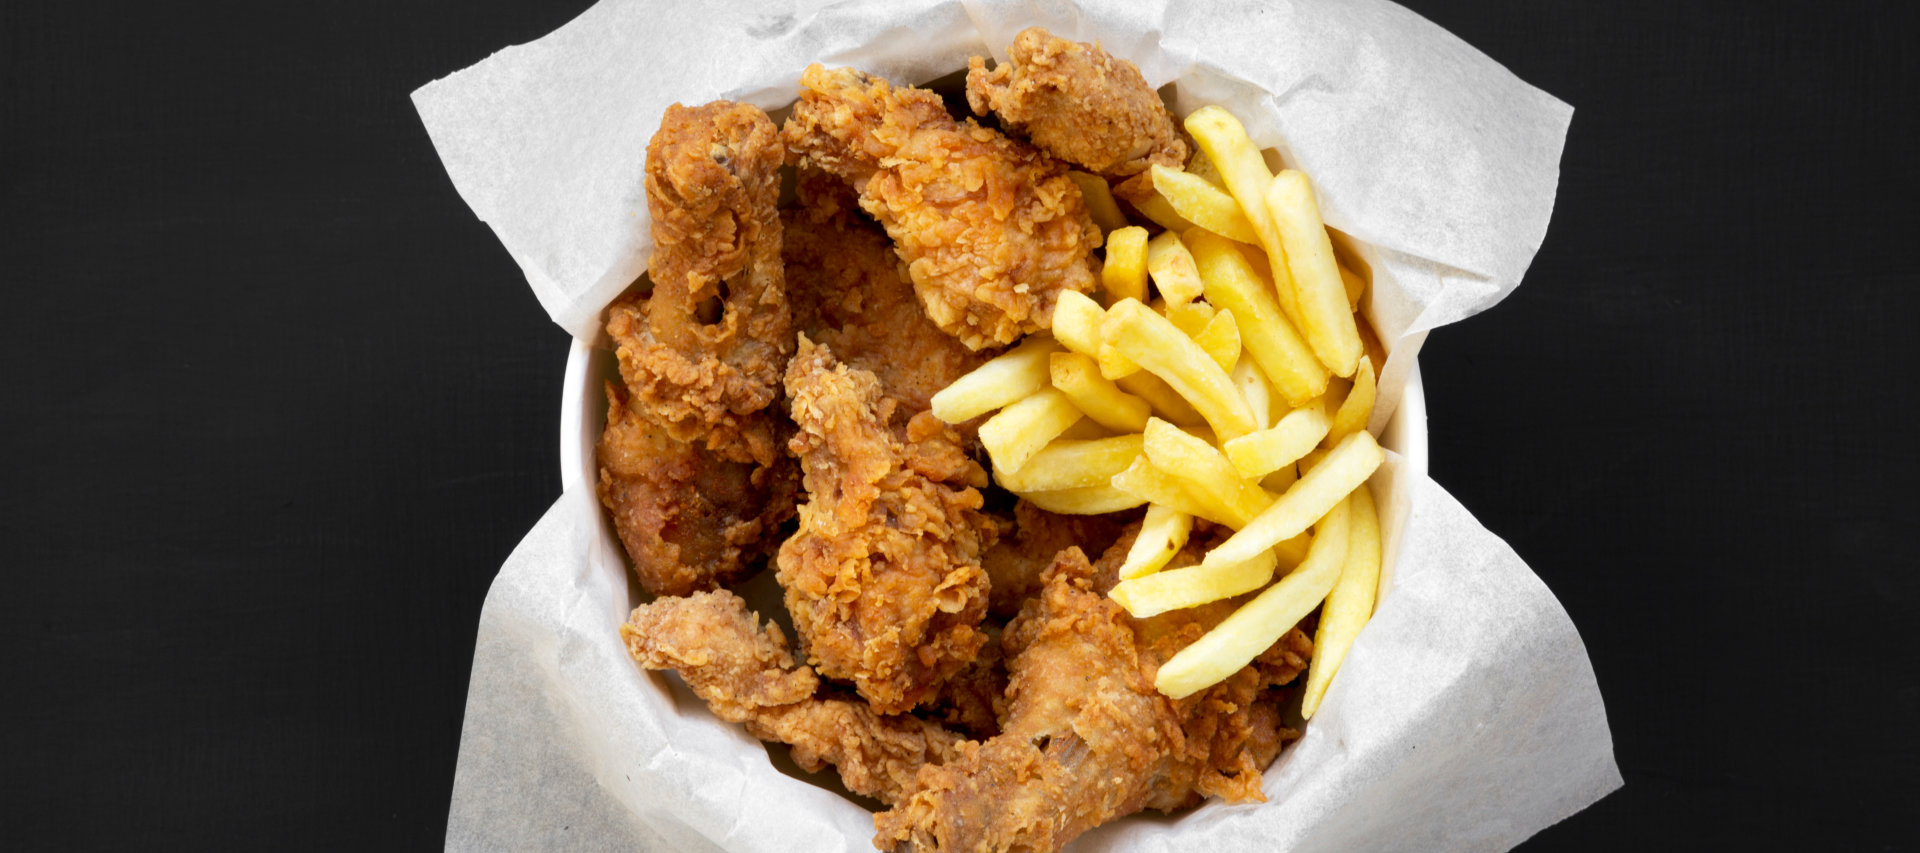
746	675
991	228
883	579
1080	104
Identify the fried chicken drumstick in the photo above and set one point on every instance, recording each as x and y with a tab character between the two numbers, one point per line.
1080	104
991	228
883	579
746	675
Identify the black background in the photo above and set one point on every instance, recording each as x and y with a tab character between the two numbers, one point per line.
276	406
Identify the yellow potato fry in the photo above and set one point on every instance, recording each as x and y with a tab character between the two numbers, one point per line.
1171	267
1357	408
1091	500
1355	287
1161	213
1198	164
1221	341
1206	473
1310	461
1076	322
1162	534
1246	176
1019	431
1321	298
1257	454
1086	429
1078	377
1253	628
1100	204
1009	377
1203	204
1231	285
1350	603
1150	484
1348	465
1066	464
1124	275
1191	317
1159	348
1174	589
1165	402
1280	481
1253	389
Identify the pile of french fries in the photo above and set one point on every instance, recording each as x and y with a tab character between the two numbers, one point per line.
1236	389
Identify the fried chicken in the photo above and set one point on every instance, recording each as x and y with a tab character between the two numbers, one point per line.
1015	563
851	293
703	353
883	580
1087	737
746	675
1080	104
991	228
689	518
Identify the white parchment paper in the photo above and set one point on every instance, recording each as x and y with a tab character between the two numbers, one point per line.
1466	716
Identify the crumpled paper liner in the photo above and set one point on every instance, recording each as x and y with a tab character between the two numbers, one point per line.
1466	716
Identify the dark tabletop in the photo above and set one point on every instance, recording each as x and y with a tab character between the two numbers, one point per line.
275	406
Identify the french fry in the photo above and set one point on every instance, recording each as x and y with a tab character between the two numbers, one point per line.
1355	287
1086	429
1326	319
1076	322
1019	431
1162	534
1009	377
1254	389
1206	473
1246	176
1171	267
1190	317
1152	485
1310	461
1199	165
1161	213
1232	286
1348	465
1091	500
1203	204
1190	586
1357	408
1253	628
1221	341
1113	365
1124	275
1280	480
1100	204
1065	464
1165	401
1153	343
1078	377
1350	603
1258	454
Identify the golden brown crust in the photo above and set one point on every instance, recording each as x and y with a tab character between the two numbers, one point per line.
1080	104
1016	562
991	228
883	579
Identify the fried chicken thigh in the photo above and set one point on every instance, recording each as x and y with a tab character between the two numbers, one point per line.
704	352
1015	563
850	292
991	228
1087	737
746	675
883	580
1080	104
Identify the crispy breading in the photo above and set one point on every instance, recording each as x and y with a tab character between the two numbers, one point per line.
1080	104
704	351
689	519
746	675
883	579
1015	563
991	228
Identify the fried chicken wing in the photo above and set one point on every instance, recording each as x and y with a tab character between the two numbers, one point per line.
883	579
991	228
851	293
705	350
1087	737
689	518
1080	104
1015	563
746	675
